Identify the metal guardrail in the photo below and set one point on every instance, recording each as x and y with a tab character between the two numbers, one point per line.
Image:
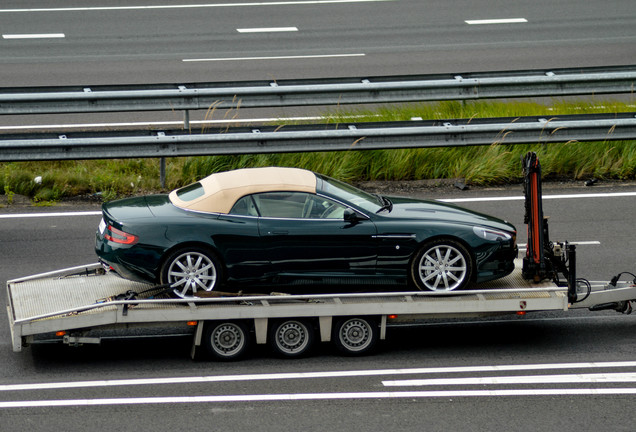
308	138
335	91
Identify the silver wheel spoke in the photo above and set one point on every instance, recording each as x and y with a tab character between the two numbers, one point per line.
455	269
448	252
452	275
182	292
178	282
197	282
431	276
203	270
445	278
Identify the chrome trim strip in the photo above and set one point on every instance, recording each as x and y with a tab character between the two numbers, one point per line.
395	236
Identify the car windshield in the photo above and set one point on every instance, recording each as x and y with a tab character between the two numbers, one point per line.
351	194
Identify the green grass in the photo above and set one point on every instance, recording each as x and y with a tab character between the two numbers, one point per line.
484	165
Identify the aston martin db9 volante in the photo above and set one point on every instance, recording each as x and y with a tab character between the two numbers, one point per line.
288	225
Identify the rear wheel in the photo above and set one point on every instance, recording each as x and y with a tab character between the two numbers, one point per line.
355	336
190	270
226	340
442	265
291	338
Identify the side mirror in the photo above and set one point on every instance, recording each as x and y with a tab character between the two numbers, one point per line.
352	216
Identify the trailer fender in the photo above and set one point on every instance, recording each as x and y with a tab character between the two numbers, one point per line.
260	330
325	328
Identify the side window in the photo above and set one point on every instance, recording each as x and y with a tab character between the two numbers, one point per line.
286	205
317	207
244	207
290	205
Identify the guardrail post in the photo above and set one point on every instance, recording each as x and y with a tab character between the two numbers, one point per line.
162	161
186	119
162	172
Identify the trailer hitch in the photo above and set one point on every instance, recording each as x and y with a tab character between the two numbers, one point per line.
624	307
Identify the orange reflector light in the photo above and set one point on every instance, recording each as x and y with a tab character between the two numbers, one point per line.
192	323
392	316
60	333
521	313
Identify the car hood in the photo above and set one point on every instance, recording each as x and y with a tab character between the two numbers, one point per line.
407	208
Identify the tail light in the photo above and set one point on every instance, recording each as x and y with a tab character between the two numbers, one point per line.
118	236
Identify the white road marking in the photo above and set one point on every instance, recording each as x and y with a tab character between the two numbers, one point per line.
525	379
267	30
34	36
310	375
318	396
497	21
52	214
190	6
583	243
318	56
545	197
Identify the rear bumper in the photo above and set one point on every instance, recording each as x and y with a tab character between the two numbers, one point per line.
126	261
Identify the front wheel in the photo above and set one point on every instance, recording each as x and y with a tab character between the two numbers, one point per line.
442	265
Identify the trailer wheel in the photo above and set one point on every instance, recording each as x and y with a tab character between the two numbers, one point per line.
442	265
226	340
291	338
355	336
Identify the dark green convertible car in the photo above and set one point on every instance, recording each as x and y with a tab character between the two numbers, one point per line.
292	226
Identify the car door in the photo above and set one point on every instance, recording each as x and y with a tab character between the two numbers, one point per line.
307	234
236	236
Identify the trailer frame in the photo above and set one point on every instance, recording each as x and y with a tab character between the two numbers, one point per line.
33	313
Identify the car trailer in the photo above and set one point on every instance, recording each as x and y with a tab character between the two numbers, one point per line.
86	304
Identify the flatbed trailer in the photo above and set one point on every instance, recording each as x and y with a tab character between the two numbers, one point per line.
82	305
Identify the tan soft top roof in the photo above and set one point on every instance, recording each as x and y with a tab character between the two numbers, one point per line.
222	190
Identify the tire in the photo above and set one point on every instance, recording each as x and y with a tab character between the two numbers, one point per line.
191	269
355	336
291	338
442	265
226	340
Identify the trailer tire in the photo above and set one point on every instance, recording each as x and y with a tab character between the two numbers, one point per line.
226	340
291	338
355	336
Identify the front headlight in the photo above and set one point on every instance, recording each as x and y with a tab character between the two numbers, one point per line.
491	234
